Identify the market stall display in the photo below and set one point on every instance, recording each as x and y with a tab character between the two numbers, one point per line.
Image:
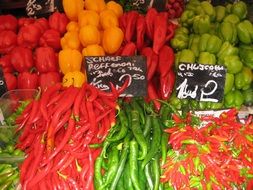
111	108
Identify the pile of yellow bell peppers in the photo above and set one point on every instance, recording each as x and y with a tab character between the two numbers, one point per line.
93	30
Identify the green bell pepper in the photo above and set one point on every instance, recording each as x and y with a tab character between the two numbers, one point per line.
206	58
232	18
208	9
227	32
220	13
209	43
194	44
248	96
245	32
175	101
229	82
246	55
234	98
201	24
225	50
192	4
186	18
233	63
243	79
186	56
240	9
181	39
229	8
214	105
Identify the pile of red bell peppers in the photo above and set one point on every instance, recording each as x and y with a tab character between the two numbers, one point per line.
149	35
29	48
175	8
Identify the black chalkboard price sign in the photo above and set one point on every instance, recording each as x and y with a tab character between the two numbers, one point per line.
101	70
37	8
201	82
3	87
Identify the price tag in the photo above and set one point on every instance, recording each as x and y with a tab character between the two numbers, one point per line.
101	70
36	8
3	86
201	82
144	5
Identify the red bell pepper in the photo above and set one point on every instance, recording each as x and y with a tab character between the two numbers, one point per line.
58	21
42	24
140	29
28	36
49	79
8	40
131	20
24	21
21	59
51	38
153	96
45	60
129	49
170	31
160	31
166	60
150	19
27	80
152	61
8	22
5	63
167	84
11	81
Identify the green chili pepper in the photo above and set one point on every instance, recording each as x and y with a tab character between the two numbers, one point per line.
155	143
148	175
142	177
133	154
98	178
156	171
135	105
164	147
138	134
122	162
126	175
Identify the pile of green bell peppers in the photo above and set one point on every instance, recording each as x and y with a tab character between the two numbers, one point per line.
217	35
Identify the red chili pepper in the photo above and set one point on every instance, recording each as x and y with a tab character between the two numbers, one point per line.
129	49
152	61
150	21
167	84
170	31
153	96
89	182
131	20
8	40
8	22
140	29
160	31
21	59
77	102
28	36
166	60
51	38
58	21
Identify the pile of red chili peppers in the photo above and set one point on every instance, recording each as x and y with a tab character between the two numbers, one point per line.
149	35
56	130
218	155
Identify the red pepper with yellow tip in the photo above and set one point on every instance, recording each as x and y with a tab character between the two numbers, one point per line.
75	78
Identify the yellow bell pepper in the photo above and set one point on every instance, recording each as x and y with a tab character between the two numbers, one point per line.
108	19
115	7
72	8
112	39
72	26
87	17
93	50
89	35
70	60
95	5
70	40
75	78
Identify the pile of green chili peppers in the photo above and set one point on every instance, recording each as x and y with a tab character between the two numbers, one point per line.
134	149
